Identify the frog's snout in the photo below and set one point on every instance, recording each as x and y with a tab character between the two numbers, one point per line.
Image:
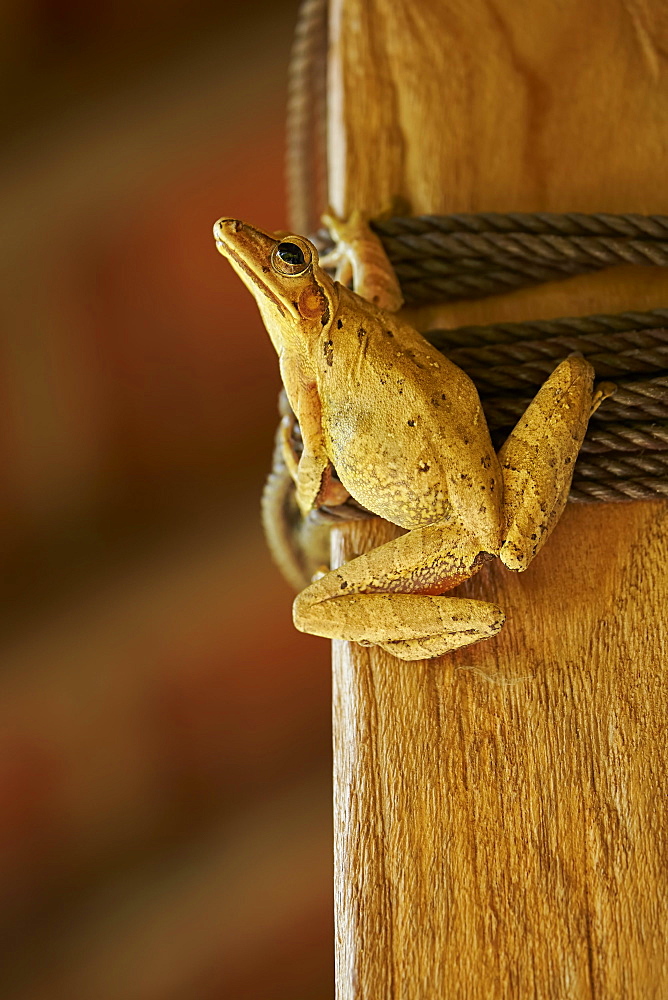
224	228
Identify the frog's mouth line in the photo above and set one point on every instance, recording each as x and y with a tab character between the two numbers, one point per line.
229	252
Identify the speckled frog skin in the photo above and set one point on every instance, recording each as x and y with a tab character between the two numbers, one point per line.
404	429
400	393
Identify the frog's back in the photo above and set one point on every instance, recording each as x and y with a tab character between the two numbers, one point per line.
403	425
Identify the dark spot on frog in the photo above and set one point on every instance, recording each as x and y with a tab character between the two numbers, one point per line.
485	461
411	423
483	557
567	461
344	585
325	316
265	268
466	440
411	356
361	333
339	323
443	395
533	537
389	333
464	475
423	467
328	350
434	401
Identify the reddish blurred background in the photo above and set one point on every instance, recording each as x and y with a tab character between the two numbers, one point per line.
164	775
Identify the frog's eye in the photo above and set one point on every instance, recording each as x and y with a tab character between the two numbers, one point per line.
291	257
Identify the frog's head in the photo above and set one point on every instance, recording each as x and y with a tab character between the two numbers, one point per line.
297	299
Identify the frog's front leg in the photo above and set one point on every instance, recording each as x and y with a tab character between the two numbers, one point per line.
391	596
359	253
313	471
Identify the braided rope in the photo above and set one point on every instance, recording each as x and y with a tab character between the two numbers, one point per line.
305	156
632	400
583	491
630	466
531	374
455	256
630	225
511	357
632	323
630	437
469	256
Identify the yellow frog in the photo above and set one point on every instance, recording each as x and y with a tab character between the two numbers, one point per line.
404	429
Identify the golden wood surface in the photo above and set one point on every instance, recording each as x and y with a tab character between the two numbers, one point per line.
499	814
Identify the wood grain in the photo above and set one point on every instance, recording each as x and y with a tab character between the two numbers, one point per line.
500	816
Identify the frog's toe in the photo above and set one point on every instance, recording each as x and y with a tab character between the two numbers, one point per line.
347	229
332	259
439	645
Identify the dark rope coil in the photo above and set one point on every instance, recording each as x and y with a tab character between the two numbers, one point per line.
305	154
441	258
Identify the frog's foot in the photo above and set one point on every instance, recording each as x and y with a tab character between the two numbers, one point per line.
539	456
409	626
439	645
391	596
359	254
338	260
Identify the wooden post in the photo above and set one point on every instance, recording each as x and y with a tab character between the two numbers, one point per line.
500	813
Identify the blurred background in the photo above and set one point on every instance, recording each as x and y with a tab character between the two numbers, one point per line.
165	735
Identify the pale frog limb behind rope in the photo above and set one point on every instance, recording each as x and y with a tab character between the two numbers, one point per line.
299	545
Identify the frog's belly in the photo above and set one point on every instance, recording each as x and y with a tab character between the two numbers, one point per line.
409	492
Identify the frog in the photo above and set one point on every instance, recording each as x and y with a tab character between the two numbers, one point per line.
389	421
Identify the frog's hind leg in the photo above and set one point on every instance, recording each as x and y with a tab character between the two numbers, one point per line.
391	596
539	456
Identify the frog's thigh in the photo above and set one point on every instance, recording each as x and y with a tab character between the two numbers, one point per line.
383	595
539	457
